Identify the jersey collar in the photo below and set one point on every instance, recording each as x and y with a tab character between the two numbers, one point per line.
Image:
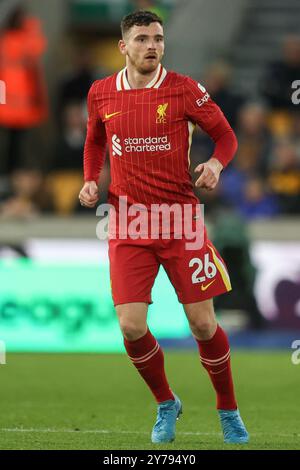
122	82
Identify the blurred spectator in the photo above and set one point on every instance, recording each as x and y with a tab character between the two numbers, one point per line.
277	84
22	44
284	176
243	184
257	201
248	194
68	154
255	139
27	195
74	86
218	84
69	148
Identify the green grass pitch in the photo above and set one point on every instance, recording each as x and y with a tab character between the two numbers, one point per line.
60	401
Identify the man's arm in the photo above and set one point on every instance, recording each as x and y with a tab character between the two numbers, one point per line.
225	148
94	153
201	109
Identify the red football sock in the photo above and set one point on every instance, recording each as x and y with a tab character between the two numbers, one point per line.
215	358
147	356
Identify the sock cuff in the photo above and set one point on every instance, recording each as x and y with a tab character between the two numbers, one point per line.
216	334
140	346
216	347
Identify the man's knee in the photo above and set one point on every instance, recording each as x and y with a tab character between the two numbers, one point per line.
132	320
202	320
203	329
131	331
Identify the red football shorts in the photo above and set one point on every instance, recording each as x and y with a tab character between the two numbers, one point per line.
196	275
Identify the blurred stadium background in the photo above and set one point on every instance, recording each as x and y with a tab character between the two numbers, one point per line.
54	280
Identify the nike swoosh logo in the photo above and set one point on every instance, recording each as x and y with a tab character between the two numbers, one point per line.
108	116
203	288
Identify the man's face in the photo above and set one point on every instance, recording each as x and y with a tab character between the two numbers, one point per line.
144	47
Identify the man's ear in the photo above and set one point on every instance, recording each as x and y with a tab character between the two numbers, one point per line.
122	47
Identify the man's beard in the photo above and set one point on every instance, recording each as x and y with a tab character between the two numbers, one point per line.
144	68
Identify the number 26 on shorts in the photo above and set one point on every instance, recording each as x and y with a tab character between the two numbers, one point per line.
208	268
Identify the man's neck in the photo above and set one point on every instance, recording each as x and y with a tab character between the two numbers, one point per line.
138	80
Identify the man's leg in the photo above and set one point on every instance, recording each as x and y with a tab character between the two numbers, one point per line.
133	268
147	356
143	349
214	350
214	353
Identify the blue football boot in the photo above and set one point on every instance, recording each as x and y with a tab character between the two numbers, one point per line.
167	414
234	430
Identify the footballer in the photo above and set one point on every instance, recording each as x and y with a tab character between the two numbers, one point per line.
146	114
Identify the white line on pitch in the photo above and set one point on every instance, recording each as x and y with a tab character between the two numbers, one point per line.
94	431
106	431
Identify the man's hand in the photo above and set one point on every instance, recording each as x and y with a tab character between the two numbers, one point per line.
209	174
89	194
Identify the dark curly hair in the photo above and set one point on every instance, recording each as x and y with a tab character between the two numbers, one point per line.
139	18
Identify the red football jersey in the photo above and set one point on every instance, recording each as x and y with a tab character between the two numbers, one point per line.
149	135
